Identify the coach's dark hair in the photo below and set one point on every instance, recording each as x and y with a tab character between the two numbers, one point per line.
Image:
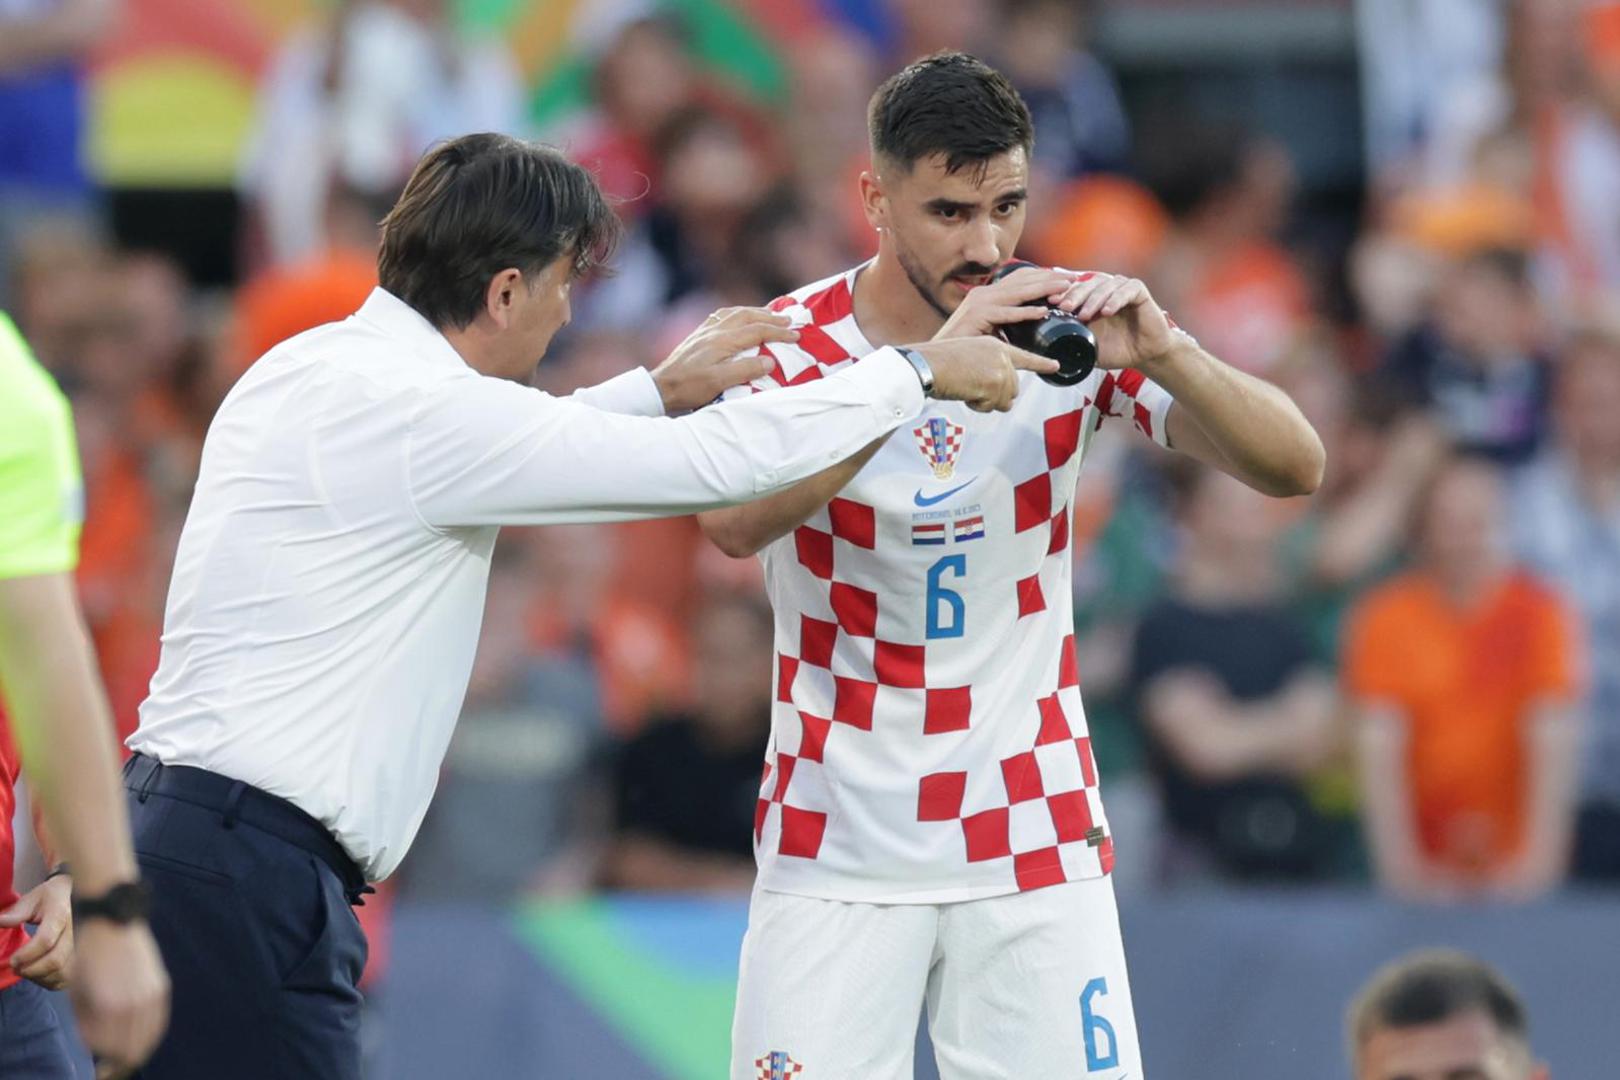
1432	986
949	103
479	204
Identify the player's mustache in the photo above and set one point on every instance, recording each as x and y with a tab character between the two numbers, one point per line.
970	270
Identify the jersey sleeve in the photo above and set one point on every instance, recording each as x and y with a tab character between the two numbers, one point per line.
790	366
41	494
1127	394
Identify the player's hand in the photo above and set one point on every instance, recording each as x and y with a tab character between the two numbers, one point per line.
720	354
1023	295
981	371
46	957
120	994
1130	327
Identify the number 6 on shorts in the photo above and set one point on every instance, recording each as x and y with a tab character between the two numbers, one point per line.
1095	1027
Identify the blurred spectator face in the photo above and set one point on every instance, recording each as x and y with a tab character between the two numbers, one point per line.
781	245
1588	404
1265	190
1393	280
1467	1046
833	78
927	26
1485	310
59	270
949	231
645	77
1461	537
1038	41
154	291
712	175
135	335
571	565
1230	525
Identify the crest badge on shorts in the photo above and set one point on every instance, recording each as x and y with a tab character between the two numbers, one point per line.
940	442
777	1065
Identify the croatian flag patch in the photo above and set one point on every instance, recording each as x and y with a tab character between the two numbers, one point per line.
969	528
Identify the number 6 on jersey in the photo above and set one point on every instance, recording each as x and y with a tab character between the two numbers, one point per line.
943	602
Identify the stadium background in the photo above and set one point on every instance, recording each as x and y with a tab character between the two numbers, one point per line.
1334	195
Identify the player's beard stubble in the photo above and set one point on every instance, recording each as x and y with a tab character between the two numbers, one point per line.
917	275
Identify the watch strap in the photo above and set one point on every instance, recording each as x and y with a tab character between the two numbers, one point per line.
123	903
919	364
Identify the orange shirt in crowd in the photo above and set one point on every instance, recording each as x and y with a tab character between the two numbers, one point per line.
286	301
1465	682
1249	307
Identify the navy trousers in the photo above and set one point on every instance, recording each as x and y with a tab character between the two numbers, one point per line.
32	1044
251	907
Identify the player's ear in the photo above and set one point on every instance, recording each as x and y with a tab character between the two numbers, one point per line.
501	294
873	200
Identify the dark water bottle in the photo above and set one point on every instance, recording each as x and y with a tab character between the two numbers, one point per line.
1060	336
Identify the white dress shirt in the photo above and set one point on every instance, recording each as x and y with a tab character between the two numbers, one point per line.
329	583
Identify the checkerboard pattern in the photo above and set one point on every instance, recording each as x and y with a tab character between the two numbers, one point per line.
898	670
828	335
940	442
876	721
777	1066
1048	823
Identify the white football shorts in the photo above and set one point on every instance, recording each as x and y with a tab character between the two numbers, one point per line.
1025	985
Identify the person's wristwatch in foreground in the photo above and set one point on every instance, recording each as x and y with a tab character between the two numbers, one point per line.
919	364
122	904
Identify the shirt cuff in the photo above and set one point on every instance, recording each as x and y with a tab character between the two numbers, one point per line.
633	393
891	381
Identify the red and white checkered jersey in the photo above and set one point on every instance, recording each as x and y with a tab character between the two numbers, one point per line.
927	740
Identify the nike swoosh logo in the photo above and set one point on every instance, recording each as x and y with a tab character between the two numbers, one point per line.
929	500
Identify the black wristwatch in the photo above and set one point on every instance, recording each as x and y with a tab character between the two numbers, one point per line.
919	364
122	904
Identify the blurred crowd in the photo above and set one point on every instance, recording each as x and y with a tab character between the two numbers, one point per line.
1411	679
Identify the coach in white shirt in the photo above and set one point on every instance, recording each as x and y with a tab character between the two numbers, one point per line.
330	579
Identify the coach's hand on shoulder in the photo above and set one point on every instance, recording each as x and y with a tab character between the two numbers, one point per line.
981	371
1021	296
120	994
49	907
720	354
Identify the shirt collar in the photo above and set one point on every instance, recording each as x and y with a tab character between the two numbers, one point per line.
399	320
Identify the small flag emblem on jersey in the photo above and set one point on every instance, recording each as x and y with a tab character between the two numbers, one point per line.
970	528
928	532
776	1065
940	442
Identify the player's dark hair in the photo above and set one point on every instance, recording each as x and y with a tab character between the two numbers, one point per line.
952	104
1432	986
480	204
